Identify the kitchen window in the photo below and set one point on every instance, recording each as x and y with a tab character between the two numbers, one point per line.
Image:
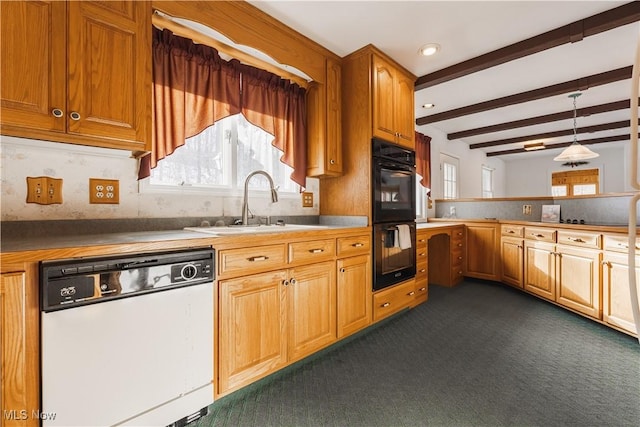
487	182
449	166
220	158
575	183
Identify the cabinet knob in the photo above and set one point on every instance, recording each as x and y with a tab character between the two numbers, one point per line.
293	281
342	270
332	162
56	112
423	270
386	304
285	282
412	293
422	289
74	115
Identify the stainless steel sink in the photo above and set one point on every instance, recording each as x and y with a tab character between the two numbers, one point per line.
239	229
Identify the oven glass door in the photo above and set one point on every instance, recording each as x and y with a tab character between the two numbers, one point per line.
394	187
394	258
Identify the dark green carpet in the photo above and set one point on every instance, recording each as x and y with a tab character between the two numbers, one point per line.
479	354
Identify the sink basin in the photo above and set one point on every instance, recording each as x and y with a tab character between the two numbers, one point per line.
238	229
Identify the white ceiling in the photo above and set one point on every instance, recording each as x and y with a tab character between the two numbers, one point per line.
466	29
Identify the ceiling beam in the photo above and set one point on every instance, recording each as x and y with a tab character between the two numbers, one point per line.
574	32
564	144
576	85
554	134
547	118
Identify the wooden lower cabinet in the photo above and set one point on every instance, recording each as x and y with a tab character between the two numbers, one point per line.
353	294
393	299
616	296
19	348
567	275
482	249
512	256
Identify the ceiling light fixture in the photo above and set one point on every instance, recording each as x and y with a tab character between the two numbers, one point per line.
429	49
575	151
429	105
534	146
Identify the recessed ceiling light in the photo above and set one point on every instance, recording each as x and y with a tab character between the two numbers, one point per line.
428	105
429	49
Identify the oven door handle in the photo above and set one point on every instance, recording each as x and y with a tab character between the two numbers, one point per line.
396	167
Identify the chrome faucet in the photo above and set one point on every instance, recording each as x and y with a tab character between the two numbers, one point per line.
245	199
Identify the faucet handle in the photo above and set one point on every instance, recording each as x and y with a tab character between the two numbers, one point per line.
237	222
266	219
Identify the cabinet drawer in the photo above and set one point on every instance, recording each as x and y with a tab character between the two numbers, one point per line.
456	274
314	250
354	245
457	256
512	230
421	270
582	239
619	243
540	234
251	260
392	300
457	236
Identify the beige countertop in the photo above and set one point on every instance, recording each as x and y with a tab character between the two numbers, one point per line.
603	228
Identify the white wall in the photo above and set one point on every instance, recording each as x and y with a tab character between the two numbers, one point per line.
75	164
471	162
531	175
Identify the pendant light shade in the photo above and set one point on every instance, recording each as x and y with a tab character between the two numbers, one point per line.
575	151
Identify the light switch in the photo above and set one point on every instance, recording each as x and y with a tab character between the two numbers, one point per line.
44	190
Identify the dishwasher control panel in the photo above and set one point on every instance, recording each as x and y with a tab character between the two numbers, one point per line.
75	282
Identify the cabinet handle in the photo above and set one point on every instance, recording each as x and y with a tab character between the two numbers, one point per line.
422	240
519	246
258	258
511	232
607	264
460	244
293	281
342	270
412	293
358	245
316	251
74	115
56	112
626	246
422	289
386	304
537	235
422	254
332	162
575	239
423	271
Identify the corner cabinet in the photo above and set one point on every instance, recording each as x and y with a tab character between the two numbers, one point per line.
19	351
393	94
77	72
483	247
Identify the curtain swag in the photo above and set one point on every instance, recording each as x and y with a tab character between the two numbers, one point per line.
423	159
193	87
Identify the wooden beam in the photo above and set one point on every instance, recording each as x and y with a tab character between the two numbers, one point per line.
576	85
587	129
570	33
564	144
547	118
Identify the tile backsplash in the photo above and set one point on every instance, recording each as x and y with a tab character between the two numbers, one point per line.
75	164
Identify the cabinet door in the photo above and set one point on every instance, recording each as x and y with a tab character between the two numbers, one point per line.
19	355
539	269
353	294
578	280
482	251
252	328
312	308
334	118
512	251
108	69
383	99
616	298
32	64
405	116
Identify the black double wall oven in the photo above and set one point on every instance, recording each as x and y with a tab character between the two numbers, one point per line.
393	186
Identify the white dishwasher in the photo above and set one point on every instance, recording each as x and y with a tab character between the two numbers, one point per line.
127	340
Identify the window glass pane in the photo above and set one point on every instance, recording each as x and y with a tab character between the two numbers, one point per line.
487	182
584	189
558	190
450	180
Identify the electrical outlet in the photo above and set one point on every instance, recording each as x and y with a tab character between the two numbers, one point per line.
307	199
526	209
44	190
105	191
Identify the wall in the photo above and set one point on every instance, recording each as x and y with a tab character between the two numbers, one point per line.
531	176
75	164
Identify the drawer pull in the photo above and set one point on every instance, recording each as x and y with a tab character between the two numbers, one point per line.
423	270
607	264
511	232
626	246
316	251
386	304
412	293
460	244
422	254
258	258
422	240
74	115
358	245
459	257
537	235
575	239
422	289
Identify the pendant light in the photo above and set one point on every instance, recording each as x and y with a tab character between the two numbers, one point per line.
575	151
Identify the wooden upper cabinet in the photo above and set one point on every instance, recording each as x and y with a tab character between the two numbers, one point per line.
33	39
324	110
393	113
77	72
